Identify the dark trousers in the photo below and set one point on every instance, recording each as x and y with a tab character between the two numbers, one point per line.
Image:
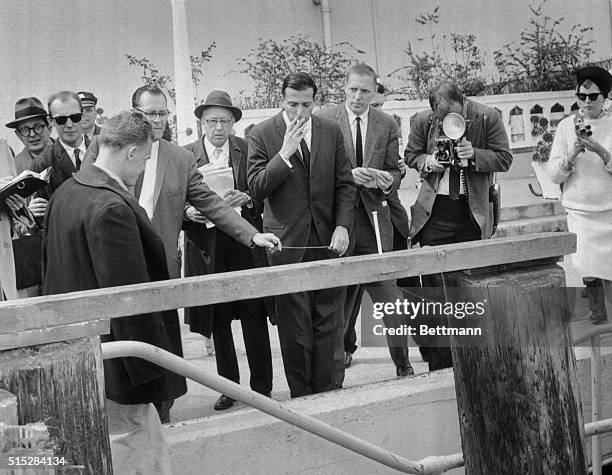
257	344
310	334
450	222
387	291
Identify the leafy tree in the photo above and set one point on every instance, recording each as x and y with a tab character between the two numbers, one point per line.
453	57
545	59
270	61
151	76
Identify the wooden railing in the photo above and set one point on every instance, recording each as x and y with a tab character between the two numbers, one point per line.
43	320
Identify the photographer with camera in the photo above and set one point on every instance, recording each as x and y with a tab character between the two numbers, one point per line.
457	157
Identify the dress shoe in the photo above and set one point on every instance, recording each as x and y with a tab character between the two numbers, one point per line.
224	403
348	359
404	370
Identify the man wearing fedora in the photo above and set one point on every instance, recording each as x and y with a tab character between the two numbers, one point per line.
171	180
210	251
88	123
32	129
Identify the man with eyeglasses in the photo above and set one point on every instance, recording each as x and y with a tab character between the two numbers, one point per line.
171	180
67	152
88	123
219	149
32	129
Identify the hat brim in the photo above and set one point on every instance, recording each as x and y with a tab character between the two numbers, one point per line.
15	123
237	113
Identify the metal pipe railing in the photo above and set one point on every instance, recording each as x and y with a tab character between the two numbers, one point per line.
596	401
427	466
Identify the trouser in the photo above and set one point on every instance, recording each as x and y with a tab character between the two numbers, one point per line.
137	441
450	222
257	345
386	291
310	333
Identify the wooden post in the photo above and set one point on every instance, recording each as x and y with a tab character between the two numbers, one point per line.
517	395
62	385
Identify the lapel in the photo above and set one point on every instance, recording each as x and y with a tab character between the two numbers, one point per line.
200	153
343	122
235	161
371	136
315	138
163	157
63	160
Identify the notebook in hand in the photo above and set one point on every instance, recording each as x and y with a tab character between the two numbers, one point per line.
25	184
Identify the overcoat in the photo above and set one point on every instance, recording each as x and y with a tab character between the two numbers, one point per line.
96	236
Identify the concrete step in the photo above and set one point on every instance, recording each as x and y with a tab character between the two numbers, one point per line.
413	417
542	224
544	208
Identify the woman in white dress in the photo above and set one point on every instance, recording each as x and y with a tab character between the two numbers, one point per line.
581	160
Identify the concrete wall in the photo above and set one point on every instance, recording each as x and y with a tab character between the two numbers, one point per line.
414	418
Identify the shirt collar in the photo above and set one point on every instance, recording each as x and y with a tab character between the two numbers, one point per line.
352	116
70	150
112	175
210	148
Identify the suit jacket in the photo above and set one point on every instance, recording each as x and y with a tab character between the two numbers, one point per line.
62	168
380	152
296	198
488	136
206	251
178	181
96	235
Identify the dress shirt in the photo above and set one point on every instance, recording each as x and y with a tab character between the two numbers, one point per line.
307	137
148	181
222	160
112	175
70	150
363	125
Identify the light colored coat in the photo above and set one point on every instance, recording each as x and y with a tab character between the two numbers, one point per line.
8	288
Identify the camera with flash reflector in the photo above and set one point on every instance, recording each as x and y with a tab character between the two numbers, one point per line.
450	131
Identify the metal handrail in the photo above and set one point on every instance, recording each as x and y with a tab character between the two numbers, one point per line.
427	466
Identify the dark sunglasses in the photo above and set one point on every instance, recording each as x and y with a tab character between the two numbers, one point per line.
62	119
593	96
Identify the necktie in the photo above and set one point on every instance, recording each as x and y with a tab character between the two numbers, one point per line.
359	144
305	154
217	154
454	183
77	160
87	140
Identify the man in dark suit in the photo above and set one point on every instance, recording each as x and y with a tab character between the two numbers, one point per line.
297	164
67	152
88	123
208	251
442	213
106	240
371	139
170	180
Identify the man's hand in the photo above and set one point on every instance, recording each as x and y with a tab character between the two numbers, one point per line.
340	240
15	202
464	149
38	207
236	198
432	165
364	177
293	136
384	179
192	214
267	240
